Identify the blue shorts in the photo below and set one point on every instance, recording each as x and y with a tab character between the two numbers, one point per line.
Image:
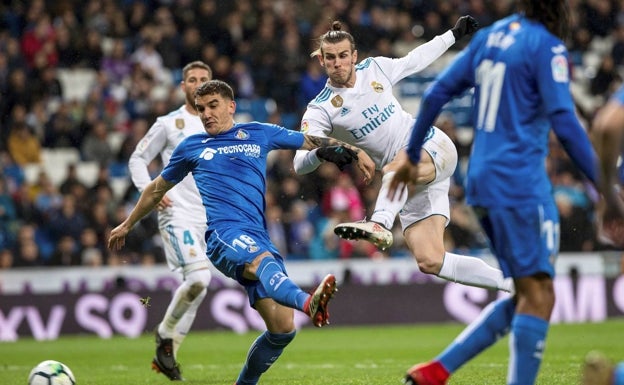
229	250
524	239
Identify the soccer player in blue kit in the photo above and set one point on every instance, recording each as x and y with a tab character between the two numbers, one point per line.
519	70
228	163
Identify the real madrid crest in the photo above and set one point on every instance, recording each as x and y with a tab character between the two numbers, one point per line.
377	87
337	101
179	124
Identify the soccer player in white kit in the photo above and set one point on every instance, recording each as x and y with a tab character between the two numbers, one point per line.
357	106
181	220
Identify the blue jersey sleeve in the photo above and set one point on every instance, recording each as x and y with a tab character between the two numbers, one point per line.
553	80
283	138
178	166
454	80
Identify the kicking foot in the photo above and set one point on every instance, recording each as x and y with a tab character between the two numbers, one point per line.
432	373
165	362
367	230
316	305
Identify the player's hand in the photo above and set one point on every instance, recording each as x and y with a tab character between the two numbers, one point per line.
366	164
117	238
405	174
164	203
339	155
466	25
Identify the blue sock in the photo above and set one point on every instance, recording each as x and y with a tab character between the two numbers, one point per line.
526	346
618	374
492	324
265	350
279	287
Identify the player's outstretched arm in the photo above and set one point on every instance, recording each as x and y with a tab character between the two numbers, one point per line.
340	153
149	198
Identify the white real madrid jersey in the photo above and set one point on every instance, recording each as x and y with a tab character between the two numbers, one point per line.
368	115
161	139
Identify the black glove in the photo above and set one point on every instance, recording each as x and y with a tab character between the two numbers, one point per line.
466	25
339	155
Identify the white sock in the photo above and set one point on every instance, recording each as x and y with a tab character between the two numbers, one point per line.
177	308
184	324
473	271
385	209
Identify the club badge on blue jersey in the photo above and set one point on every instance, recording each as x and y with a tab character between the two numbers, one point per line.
242	135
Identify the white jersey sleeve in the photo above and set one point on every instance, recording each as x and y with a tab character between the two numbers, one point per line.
417	59
148	148
314	120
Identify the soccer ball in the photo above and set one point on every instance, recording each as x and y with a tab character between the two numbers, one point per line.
51	372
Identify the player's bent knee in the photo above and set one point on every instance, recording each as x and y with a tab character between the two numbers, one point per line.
198	281
428	265
282	339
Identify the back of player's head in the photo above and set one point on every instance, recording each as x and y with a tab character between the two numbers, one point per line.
333	36
553	14
215	87
196	64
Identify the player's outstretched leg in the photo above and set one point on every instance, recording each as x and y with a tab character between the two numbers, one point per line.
316	305
373	232
164	362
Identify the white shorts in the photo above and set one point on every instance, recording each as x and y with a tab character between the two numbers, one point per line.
185	247
432	199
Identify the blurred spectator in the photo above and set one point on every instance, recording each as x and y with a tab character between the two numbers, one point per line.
90	247
39	43
67	45
117	65
27	247
191	45
67	220
68	185
96	147
91	53
47	199
27	254
22	143
37	117
17	92
138	130
47	86
148	58
344	194
605	76
300	230
66	253
61	130
8	216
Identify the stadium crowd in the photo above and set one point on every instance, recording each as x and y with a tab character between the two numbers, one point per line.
135	50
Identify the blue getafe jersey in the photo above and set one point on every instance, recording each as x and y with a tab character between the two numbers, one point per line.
520	73
230	171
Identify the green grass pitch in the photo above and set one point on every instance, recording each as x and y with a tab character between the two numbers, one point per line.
331	355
